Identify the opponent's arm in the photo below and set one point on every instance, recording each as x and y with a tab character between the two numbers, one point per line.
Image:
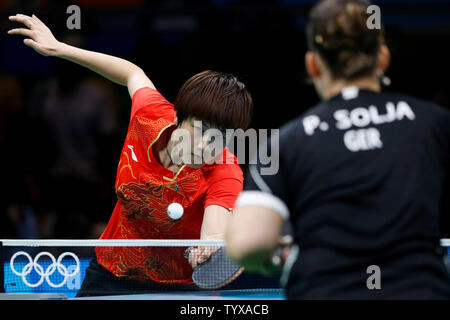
118	70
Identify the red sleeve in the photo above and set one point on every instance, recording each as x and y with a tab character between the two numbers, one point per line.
150	103
225	183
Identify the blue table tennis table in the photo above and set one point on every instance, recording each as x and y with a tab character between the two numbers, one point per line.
238	294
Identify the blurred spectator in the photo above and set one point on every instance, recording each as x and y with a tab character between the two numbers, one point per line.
18	189
440	97
79	109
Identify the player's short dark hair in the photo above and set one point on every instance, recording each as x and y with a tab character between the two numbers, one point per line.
337	30
217	98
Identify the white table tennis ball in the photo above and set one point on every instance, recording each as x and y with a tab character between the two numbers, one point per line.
175	210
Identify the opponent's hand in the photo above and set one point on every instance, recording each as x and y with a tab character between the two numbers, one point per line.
268	262
40	38
285	243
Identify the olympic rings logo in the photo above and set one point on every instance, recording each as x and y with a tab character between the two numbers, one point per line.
45	274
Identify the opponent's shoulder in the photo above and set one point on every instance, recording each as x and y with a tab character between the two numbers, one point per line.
419	103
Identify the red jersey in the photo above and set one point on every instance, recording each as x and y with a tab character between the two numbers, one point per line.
145	189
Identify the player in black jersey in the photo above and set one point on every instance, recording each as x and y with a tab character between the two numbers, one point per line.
361	177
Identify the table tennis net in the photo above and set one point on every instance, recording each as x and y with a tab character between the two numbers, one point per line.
112	267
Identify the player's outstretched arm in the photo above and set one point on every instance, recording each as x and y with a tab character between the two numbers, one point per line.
215	220
41	39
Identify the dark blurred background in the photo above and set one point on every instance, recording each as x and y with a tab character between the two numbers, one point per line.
62	127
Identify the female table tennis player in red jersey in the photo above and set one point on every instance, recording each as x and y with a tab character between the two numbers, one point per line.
148	179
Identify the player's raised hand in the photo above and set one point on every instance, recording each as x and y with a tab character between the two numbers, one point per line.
39	36
118	70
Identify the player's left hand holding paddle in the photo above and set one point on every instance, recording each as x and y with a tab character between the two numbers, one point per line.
212	267
199	255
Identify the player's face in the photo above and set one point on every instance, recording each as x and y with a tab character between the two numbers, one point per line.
205	142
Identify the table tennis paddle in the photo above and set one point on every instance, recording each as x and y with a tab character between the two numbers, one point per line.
217	271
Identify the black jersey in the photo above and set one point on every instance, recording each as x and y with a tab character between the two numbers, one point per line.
362	177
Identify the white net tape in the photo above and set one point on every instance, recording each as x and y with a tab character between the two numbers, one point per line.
110	243
124	242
